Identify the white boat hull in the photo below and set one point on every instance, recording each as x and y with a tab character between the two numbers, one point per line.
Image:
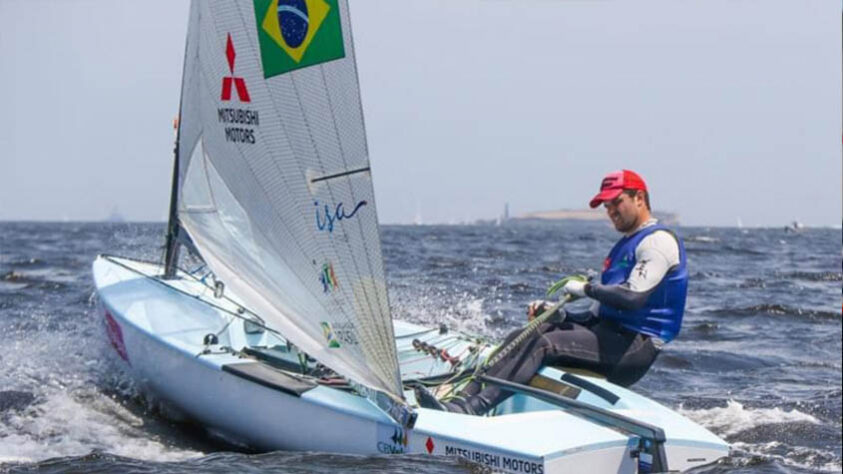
158	328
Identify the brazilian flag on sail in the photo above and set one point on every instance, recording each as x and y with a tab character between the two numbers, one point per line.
297	33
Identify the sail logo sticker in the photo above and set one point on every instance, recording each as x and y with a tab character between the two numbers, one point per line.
115	336
328	332
297	33
339	332
496	461
229	82
238	123
326	216
392	439
328	278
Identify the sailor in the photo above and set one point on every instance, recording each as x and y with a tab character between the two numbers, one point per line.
636	308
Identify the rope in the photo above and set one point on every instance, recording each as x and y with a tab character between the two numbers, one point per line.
529	329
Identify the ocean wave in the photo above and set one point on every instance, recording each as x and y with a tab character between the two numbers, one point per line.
706	327
705	275
714	362
11	287
776	310
436	263
734	418
693	249
63	426
53	351
48	278
799	457
465	314
15	400
276	461
519	287
753	283
12	276
25	262
701	238
811	276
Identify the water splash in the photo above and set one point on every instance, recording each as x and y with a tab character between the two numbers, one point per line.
735	418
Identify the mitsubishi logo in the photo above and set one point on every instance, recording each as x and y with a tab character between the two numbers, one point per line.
429	445
237	82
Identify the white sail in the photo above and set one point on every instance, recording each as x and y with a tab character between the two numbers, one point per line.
275	190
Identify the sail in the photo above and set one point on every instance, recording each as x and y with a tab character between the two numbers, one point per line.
274	182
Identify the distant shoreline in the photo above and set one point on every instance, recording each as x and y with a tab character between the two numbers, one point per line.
409	224
669	218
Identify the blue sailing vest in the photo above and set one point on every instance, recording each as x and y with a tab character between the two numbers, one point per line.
661	316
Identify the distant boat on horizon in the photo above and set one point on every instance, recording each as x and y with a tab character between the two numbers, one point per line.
115	216
794	226
417	220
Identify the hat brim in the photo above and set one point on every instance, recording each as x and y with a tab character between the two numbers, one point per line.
606	195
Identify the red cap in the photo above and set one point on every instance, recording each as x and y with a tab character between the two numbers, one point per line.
614	183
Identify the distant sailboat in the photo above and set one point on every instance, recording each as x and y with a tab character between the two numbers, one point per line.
417	220
794	226
501	219
115	215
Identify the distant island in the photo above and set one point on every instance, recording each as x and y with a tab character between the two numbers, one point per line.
667	218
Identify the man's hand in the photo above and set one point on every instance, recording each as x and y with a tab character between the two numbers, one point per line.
575	288
573	285
536	308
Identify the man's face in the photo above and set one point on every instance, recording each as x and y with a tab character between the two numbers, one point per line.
624	211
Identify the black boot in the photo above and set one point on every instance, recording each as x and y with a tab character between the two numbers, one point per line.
473	405
427	400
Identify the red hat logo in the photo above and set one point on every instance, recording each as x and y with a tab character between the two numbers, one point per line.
238	82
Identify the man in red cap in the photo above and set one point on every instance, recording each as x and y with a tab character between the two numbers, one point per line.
637	306
644	282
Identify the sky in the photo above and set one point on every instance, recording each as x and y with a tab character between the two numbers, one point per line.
730	110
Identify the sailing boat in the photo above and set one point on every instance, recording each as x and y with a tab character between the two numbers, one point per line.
283	338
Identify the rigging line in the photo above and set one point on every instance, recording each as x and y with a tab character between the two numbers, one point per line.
404	336
218	333
259	322
466	348
339	175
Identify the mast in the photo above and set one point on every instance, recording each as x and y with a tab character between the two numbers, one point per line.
172	247
171	257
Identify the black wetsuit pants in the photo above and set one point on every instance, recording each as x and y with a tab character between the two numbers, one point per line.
605	347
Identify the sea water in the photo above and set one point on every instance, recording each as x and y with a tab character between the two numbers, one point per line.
758	360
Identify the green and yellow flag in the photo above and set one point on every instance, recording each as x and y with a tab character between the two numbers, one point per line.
297	33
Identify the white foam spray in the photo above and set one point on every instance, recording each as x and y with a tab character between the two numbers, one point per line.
735	418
